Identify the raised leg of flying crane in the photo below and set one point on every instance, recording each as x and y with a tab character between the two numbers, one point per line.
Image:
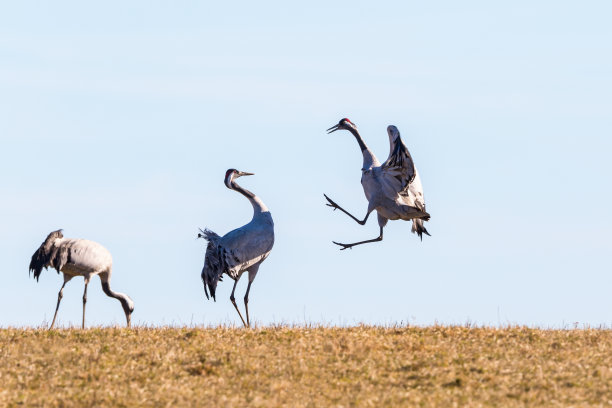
336	206
381	222
345	246
60	295
233	299
252	273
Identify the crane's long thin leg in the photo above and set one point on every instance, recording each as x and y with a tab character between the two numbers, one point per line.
60	295
246	302
345	246
336	206
233	299
252	273
85	300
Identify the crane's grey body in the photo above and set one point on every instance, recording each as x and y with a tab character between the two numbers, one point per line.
78	257
383	197
240	250
392	188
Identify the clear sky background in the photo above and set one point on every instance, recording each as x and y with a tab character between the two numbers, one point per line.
119	120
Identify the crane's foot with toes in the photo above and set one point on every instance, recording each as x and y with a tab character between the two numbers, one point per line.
344	246
331	204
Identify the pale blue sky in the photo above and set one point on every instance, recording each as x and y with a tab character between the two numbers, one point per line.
119	121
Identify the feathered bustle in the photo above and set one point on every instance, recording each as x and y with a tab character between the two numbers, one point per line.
49	255
214	264
419	228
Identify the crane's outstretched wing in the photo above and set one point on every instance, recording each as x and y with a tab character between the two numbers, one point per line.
398	170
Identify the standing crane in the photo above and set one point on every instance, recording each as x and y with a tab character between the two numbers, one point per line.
393	188
240	250
78	257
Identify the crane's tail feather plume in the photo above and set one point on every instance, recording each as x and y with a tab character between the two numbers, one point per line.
419	228
213	262
49	255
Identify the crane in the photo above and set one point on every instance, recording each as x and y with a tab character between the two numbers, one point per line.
393	188
78	257
240	250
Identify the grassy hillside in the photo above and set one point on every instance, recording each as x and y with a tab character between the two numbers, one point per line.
306	367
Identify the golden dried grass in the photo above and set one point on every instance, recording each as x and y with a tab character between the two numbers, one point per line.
306	367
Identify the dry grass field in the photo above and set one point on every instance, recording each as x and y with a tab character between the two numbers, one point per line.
306	367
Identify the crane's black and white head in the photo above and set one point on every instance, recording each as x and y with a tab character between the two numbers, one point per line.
232	174
128	307
344	124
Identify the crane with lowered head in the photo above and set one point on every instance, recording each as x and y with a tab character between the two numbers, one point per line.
78	257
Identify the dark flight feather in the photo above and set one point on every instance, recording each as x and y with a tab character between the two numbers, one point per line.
48	255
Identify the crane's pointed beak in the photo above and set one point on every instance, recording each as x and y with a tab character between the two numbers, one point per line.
244	173
333	129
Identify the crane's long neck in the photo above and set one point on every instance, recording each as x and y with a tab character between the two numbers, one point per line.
122	297
258	205
126	302
369	159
